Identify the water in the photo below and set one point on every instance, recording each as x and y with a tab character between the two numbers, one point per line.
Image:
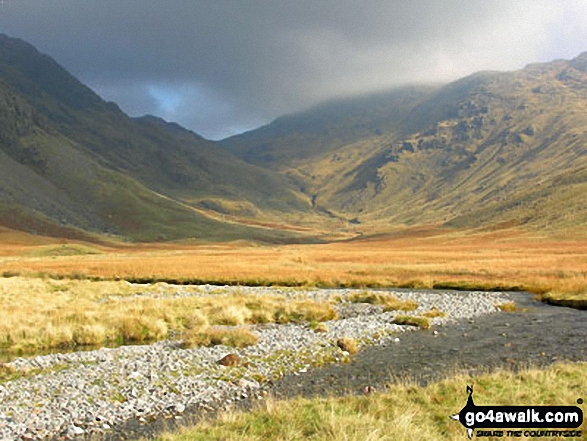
536	335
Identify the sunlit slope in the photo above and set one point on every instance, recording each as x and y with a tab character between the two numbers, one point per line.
490	148
511	143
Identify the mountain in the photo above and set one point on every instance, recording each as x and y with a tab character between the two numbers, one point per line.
490	150
327	127
503	148
68	159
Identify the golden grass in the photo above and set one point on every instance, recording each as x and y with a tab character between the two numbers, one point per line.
348	344
43	313
388	301
508	307
405	412
409	320
235	337
52	313
433	313
420	257
318	327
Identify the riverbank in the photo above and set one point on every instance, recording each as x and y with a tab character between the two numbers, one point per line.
535	336
403	412
78	394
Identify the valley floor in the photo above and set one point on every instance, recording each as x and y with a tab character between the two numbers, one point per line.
66	284
547	265
68	395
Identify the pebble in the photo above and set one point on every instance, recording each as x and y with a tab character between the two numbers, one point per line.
84	393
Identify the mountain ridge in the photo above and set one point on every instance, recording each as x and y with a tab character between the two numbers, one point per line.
490	148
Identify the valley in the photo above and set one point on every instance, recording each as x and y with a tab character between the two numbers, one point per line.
136	256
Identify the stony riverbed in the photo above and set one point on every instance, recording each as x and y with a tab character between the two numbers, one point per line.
66	396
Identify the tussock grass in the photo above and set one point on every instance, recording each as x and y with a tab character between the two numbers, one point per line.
388	301
318	327
508	307
408	320
433	313
348	344
44	313
405	412
412	258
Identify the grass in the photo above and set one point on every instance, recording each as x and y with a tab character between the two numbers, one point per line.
555	269
409	320
508	307
318	327
404	412
348	344
213	336
388	301
40	314
42	311
433	313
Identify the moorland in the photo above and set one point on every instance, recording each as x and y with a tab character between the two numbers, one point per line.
474	185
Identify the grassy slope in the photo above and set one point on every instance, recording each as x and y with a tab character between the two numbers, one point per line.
507	148
292	139
70	159
490	148
403	412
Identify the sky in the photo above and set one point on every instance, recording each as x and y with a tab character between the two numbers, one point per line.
220	67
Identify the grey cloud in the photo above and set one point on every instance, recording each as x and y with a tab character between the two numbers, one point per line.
236	63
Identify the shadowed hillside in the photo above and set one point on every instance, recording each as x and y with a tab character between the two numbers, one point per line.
67	157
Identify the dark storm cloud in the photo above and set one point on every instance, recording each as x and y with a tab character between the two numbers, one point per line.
224	66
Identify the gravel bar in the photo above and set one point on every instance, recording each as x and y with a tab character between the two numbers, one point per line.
82	394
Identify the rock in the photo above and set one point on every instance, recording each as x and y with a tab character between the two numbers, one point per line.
75	431
229	360
102	389
247	384
178	408
369	390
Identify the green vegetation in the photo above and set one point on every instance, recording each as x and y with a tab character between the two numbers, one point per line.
318	327
410	320
94	168
433	313
404	412
493	150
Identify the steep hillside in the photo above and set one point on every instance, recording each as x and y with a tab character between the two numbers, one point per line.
69	158
490	148
484	143
294	139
